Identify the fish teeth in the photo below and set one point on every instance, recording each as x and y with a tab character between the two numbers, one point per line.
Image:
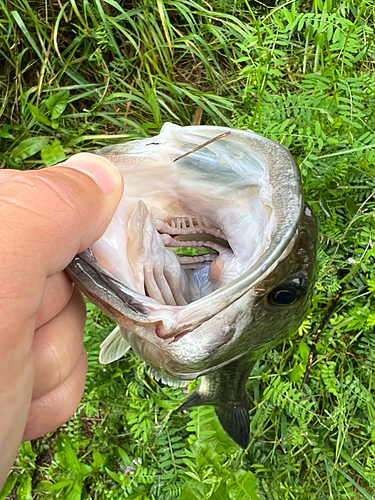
187	225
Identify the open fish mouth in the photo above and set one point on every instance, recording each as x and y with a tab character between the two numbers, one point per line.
188	267
199	248
192	236
174	256
192	226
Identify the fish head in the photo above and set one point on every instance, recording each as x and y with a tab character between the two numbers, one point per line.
210	255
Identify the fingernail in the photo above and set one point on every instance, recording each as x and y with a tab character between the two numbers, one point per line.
102	171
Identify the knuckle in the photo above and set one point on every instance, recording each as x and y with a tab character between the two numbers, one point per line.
49	203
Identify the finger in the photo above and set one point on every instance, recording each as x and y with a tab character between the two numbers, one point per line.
57	293
54	213
15	401
47	216
57	346
53	409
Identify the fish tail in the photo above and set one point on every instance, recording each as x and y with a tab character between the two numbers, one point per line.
234	418
225	390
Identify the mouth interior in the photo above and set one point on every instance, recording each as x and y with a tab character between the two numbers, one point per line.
185	229
174	259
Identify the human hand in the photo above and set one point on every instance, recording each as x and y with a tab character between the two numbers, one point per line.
47	217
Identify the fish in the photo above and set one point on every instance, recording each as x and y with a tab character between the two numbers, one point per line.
208	262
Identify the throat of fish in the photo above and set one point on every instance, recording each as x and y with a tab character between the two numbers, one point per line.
199	249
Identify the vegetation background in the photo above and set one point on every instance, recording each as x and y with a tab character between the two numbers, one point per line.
78	74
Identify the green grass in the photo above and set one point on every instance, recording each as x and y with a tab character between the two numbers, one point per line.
78	75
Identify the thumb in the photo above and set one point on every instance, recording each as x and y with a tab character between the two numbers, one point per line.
48	216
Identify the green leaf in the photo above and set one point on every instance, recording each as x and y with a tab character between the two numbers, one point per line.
66	456
80	444
169	405
220	494
74	495
8	485
296	373
29	147
24	30
304	351
6	135
365	494
114	476
247	484
43	486
76	492
317	129
54	487
358	467
38	115
194	491
85	469
24	489
8	160
57	103
98	460
324	205
26	450
53	153
350	205
124	457
153	103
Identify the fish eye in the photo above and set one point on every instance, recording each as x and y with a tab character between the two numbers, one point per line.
284	297
288	293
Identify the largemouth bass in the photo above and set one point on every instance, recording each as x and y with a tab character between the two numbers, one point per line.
207	263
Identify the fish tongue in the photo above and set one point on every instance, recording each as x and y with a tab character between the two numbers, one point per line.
156	270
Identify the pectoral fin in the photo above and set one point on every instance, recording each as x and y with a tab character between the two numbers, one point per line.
113	347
